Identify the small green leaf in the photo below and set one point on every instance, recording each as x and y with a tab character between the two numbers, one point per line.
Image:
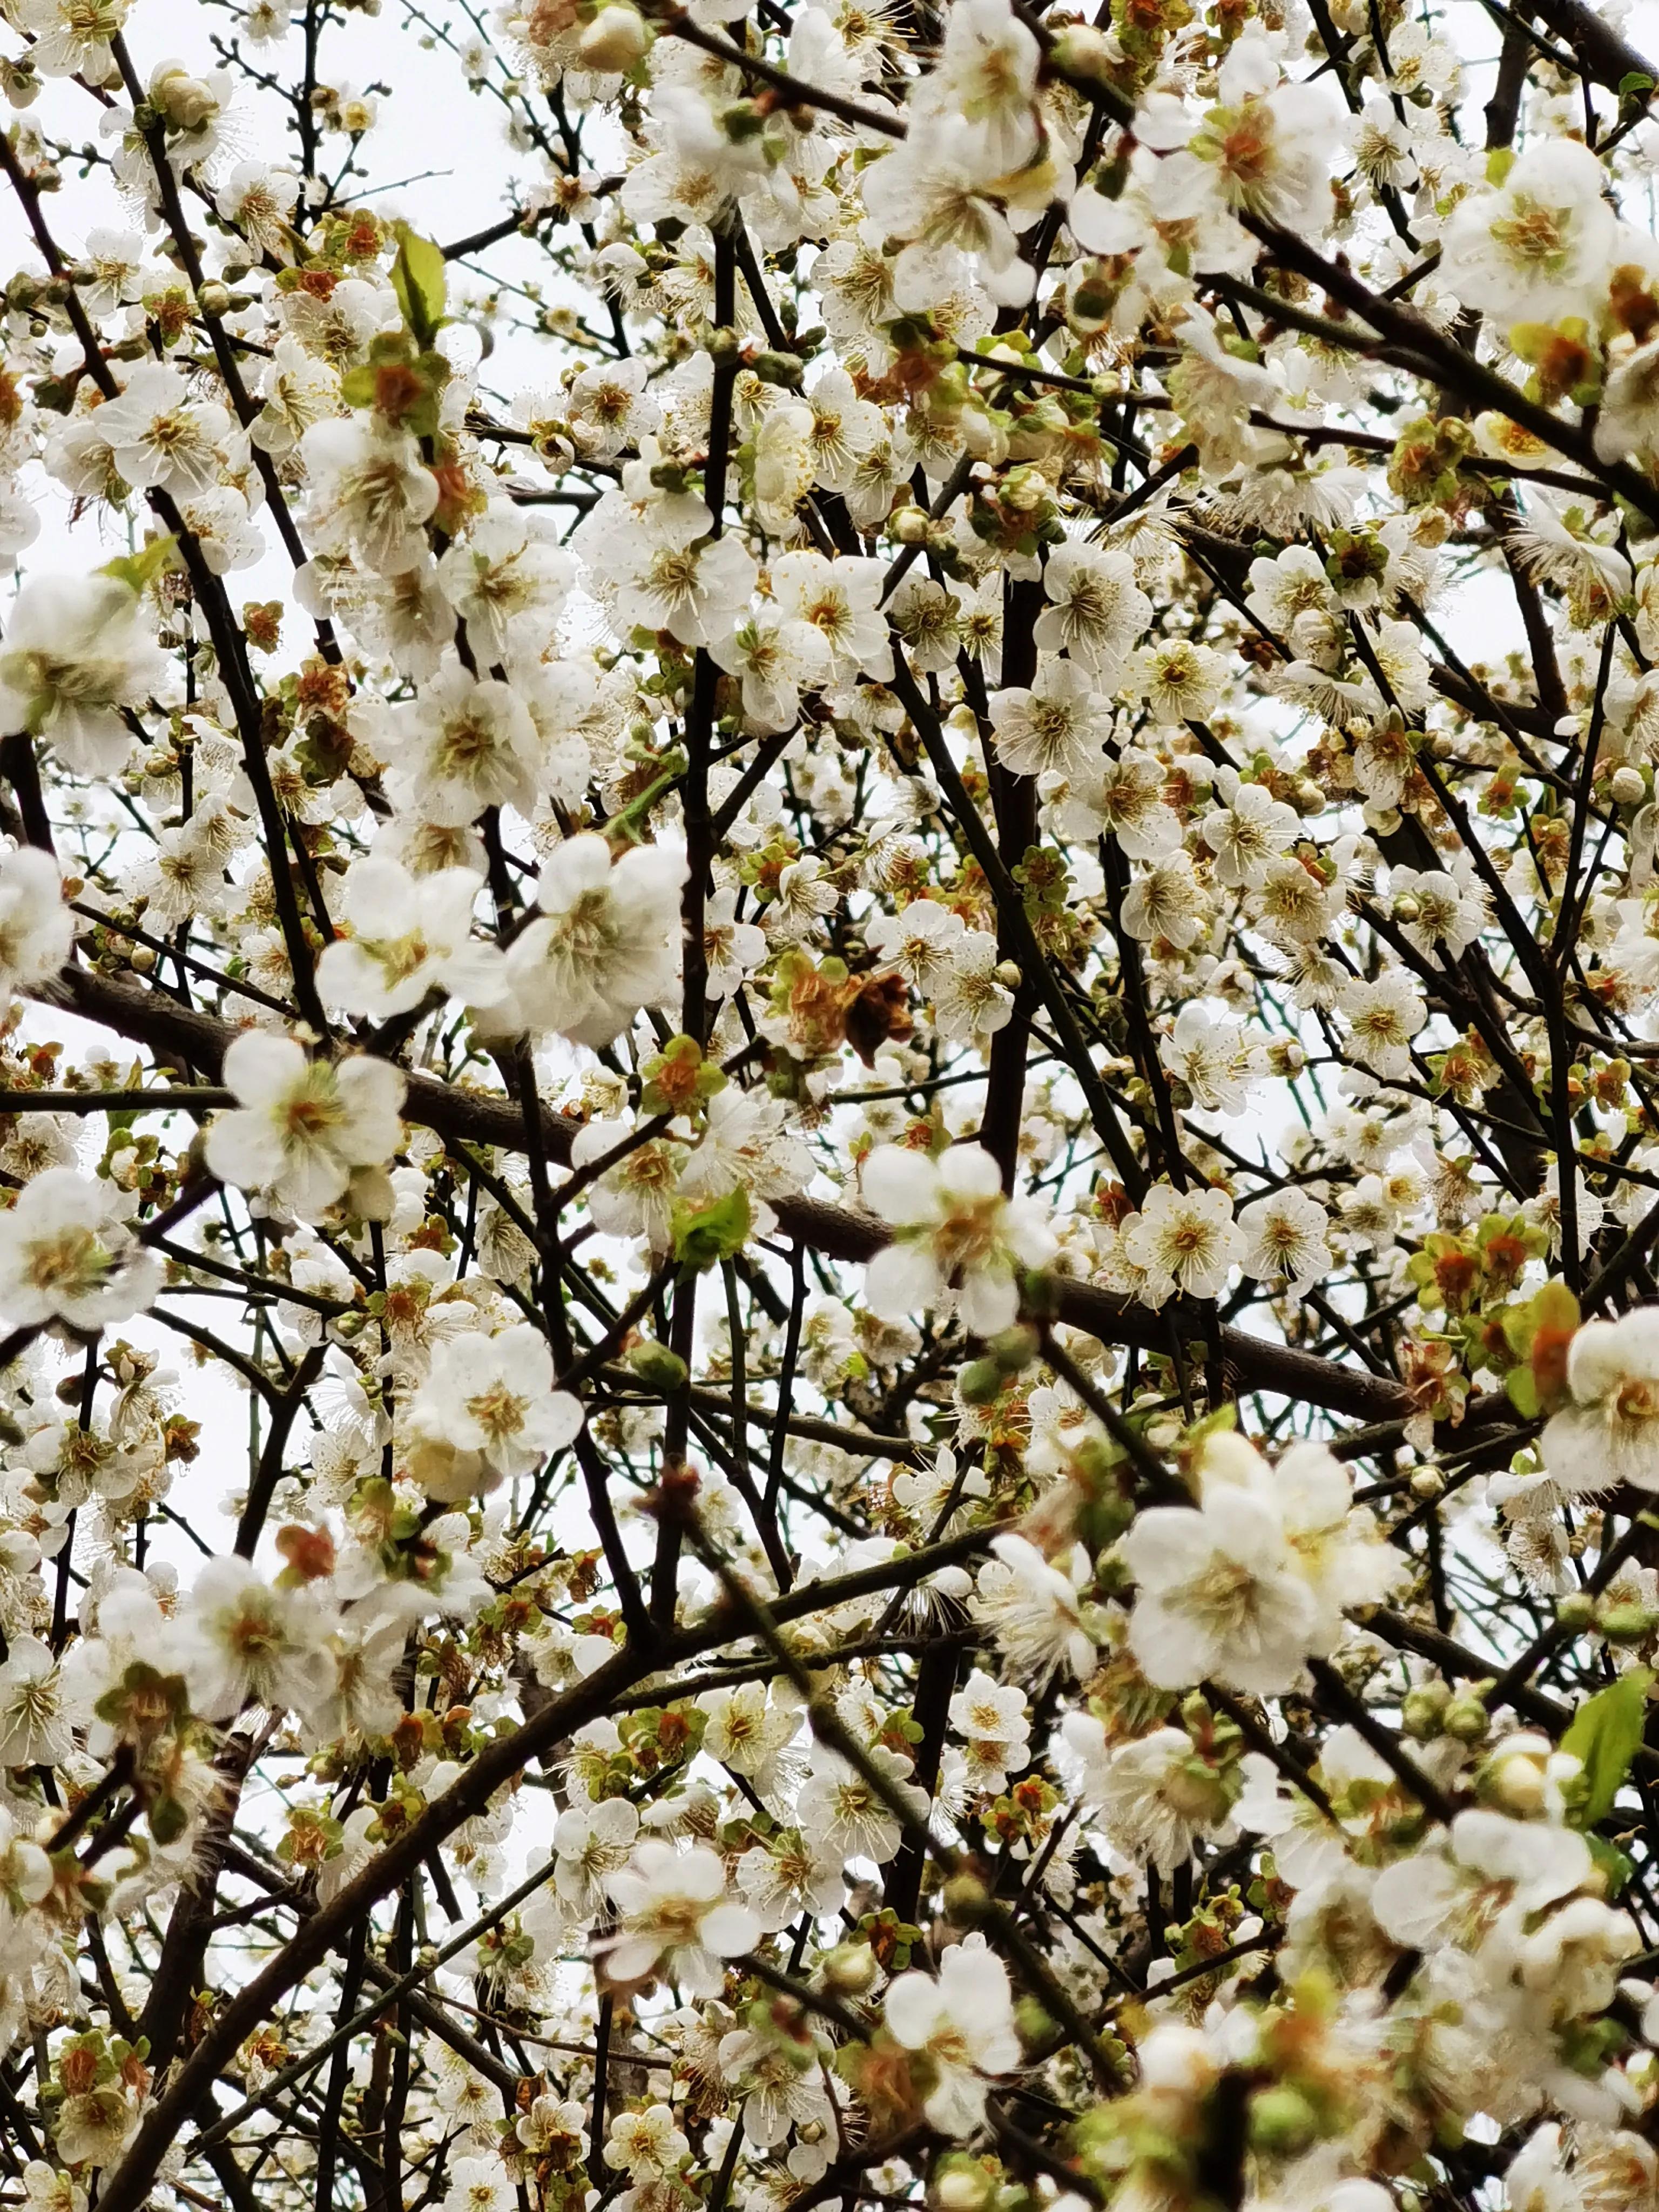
139	570
421	282
712	1233
1523	1392
1604	1736
1615	1868
1634	84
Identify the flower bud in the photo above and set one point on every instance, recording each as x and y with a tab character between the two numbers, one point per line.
371	1196
781	369
19	82
616	39
182	102
1518	1786
1014	1349
1082	50
850	1969
963	2186
1282	2121
982	435
1628	785
214	299
1466	1718
1423	1709
980	1383
965	1899
1629	1622
657	1367
1035	2028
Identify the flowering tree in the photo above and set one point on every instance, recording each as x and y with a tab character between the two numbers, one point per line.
827	1111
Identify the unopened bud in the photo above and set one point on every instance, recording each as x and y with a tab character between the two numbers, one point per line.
1422	1710
985	439
1518	1786
657	1367
980	1383
781	369
964	2188
1628	785
850	1969
1629	1622
1014	1349
1035	2026
372	1195
214	299
1082	50
1466	1718
1282	2121
181	103
965	1899
616	39
1007	973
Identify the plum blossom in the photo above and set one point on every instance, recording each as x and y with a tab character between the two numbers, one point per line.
604	942
674	1917
76	656
487	1409
66	1256
963	2020
1609	1432
959	1236
408	938
304	1129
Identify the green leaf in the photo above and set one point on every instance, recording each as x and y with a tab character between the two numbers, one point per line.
1615	1868
139	570
1523	1392
1604	1736
713	1233
421	282
1634	84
